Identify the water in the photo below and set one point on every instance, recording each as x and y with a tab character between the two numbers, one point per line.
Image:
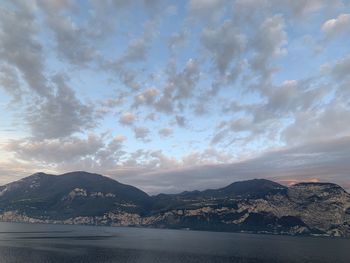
58	243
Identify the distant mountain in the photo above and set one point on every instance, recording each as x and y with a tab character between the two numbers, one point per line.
259	205
253	188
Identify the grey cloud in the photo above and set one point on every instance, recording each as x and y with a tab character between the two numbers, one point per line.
111	154
141	133
127	118
147	97
340	70
219	136
160	161
180	120
165	132
165	102
295	9
225	44
9	81
71	39
53	109
152	116
325	161
331	122
304	7
136	52
180	86
177	39
104	6
240	131
282	103
154	172
337	26
53	151
108	105
208	156
61	114
19	47
93	153
128	77
186	81
137	49
269	42
290	97
206	10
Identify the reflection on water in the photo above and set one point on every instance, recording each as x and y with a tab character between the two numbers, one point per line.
57	243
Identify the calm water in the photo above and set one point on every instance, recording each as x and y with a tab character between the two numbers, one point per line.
56	243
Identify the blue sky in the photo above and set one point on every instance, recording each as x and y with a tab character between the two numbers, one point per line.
154	92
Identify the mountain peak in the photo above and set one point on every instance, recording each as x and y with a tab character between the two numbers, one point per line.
38	175
254	187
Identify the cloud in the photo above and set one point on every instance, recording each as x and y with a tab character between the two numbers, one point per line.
71	39
268	118
92	153
146	97
135	53
53	110
165	132
61	114
341	68
108	105
269	42
225	44
304	7
249	10
291	96
336	26
239	131
179	86
330	122
19	47
206	10
127	118
180	120
141	133
325	161
177	39
10	82
235	76
154	172
138	47
53	151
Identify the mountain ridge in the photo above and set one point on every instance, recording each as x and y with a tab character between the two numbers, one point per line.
257	205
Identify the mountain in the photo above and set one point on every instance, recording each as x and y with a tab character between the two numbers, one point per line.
253	188
71	195
259	205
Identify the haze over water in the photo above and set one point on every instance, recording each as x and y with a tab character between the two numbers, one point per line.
59	243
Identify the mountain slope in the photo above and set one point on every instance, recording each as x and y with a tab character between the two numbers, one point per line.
257	205
70	195
252	188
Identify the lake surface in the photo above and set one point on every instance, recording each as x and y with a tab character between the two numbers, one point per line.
58	243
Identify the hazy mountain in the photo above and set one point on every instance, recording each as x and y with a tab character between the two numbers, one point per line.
255	206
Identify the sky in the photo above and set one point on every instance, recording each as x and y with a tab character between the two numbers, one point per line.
176	95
